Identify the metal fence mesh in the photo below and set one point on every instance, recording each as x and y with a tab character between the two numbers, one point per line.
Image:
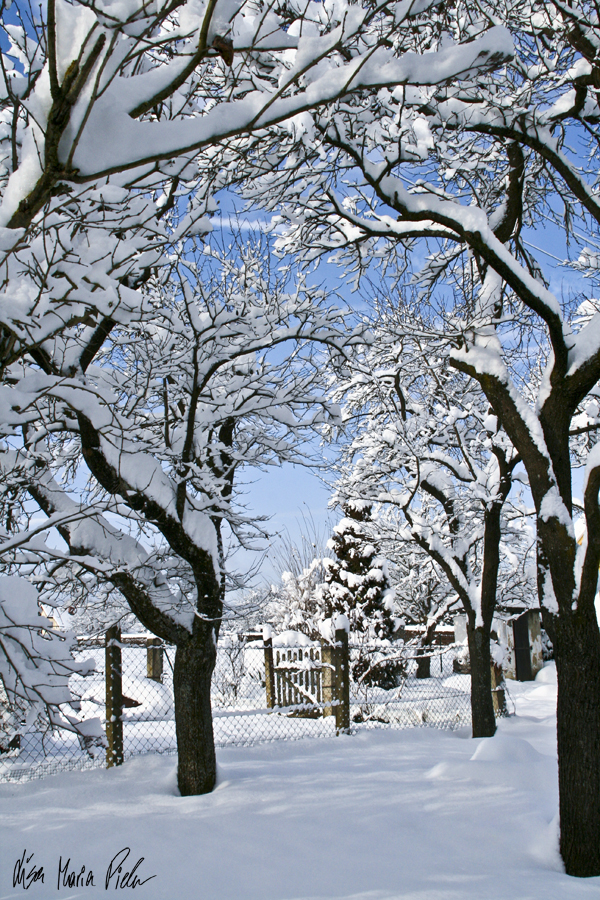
443	700
258	694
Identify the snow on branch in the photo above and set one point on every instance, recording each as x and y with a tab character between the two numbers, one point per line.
36	663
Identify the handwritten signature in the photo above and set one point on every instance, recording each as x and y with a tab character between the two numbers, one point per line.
27	872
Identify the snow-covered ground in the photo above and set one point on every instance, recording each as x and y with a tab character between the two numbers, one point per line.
411	815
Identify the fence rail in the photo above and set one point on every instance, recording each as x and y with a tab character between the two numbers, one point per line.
261	691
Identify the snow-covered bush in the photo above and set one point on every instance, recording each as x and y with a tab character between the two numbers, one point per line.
296	603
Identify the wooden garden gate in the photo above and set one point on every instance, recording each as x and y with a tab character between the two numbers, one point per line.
310	681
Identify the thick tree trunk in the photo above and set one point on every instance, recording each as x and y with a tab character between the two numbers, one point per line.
424	662
577	654
197	768
482	704
424	652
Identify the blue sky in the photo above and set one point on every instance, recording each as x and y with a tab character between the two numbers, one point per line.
285	493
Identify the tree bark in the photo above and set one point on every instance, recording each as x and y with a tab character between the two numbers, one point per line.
197	766
577	655
482	703
424	662
424	651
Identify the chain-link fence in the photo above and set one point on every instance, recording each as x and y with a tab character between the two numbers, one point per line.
261	691
147	713
386	691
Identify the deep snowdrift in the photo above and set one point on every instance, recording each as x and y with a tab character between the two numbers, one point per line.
378	815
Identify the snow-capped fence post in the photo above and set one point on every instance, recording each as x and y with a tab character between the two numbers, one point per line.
154	659
342	679
114	697
335	660
269	672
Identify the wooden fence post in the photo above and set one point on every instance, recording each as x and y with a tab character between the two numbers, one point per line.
328	693
154	659
269	672
336	680
498	694
114	697
342	680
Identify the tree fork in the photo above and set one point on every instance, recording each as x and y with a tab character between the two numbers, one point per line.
66	95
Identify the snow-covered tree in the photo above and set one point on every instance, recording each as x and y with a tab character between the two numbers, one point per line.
424	447
162	417
92	91
474	166
357	586
356	579
424	597
294	603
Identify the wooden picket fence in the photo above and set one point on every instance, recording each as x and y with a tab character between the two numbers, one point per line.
310	681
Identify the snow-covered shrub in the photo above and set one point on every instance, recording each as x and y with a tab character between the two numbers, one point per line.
296	603
379	672
547	648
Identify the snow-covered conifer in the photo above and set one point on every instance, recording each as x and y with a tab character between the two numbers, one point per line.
356	579
357	586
